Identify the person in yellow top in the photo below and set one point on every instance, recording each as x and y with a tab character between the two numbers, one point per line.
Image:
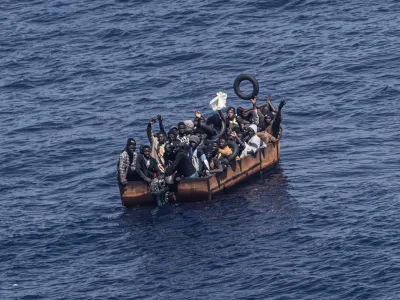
223	151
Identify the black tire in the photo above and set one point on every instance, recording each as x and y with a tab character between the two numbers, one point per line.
254	82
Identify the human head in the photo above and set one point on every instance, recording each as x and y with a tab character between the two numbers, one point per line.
174	129
146	151
214	145
161	137
131	145
194	141
222	143
171	136
231	112
268	118
181	128
209	152
252	130
240	111
178	147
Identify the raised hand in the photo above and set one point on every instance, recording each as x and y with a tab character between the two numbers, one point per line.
152	121
282	104
254	100
160	118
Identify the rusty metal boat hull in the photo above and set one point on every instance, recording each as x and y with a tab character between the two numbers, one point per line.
137	193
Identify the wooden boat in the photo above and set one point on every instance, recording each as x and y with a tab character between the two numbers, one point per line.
200	189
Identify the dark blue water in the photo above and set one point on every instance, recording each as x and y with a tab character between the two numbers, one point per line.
77	78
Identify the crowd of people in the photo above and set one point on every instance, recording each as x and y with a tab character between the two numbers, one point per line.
200	147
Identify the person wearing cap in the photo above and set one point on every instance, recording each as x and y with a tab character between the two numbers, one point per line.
127	164
157	142
196	154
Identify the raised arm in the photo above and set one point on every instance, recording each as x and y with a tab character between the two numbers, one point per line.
222	115
150	131
161	124
254	112
271	107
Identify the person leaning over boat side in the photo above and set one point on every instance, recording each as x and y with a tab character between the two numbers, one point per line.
157	142
181	164
127	163
196	154
146	166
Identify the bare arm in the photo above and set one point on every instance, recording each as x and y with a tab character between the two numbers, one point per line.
218	168
150	131
161	124
222	115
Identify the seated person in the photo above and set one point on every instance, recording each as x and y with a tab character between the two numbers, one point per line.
253	143
196	153
127	164
181	163
146	166
252	116
223	149
170	146
182	136
232	122
265	137
213	164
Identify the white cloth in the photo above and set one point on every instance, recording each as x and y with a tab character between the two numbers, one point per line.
252	145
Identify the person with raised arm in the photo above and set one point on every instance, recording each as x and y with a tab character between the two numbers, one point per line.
157	142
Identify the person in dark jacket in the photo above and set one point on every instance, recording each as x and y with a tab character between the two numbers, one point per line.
181	164
146	166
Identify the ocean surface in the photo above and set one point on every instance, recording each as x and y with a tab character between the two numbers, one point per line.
77	78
